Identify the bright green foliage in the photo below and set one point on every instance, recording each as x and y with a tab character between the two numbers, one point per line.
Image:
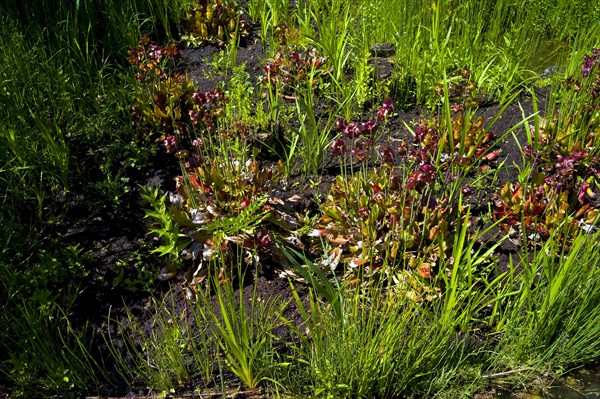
549	318
355	351
242	332
167	230
232	335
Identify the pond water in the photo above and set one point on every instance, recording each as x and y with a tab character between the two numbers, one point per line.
548	54
582	384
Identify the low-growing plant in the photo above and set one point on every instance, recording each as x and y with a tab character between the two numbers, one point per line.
562	192
240	93
153	62
404	215
214	21
166	101
561	164
448	144
360	138
292	68
164	226
385	225
177	111
222	205
463	142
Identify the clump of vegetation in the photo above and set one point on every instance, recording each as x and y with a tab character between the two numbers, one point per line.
463	143
292	68
214	21
565	169
153	62
578	124
223	209
462	90
359	138
401	220
590	71
386	224
563	191
166	103
223	204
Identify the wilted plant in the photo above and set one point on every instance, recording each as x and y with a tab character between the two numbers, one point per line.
214	21
291	68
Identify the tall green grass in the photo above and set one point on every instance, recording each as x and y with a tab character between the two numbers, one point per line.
354	342
549	323
226	331
43	352
64	112
435	37
65	101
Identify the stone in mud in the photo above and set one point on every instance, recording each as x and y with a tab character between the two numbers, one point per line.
383	49
384	67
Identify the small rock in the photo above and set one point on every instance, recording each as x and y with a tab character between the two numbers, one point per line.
383	49
384	67
167	273
549	72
